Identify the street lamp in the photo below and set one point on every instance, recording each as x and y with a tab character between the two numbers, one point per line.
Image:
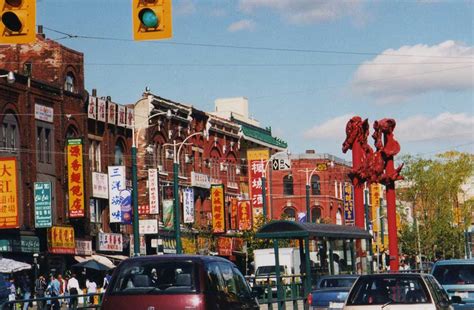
10	77
264	182
136	233
177	215
309	175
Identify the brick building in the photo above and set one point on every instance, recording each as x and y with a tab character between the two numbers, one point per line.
288	188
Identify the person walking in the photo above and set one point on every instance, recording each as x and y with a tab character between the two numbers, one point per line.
53	289
91	289
62	287
24	283
40	289
12	295
73	289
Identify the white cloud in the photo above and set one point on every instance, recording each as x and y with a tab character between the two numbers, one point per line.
185	7
244	24
442	67
307	11
445	127
333	129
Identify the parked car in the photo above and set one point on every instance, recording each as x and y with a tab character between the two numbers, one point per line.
178	282
395	291
457	278
331	291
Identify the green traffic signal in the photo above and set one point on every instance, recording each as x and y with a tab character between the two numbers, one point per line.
148	18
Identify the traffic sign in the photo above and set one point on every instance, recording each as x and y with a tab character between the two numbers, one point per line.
281	164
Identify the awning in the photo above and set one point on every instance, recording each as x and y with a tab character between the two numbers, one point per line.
116	257
100	258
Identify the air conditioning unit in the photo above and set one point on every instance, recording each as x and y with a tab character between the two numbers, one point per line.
169	154
160	168
223	167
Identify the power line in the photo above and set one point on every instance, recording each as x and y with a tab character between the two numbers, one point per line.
258	48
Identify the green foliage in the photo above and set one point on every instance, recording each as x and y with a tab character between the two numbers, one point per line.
434	188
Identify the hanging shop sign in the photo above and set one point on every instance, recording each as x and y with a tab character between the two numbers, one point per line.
8	193
121	116
83	247
21	244
256	159
233	213
44	113
169	245
168	214
116	184
188	205
143	209
130	117
244	215
101	110
92	108
224	246
200	180
217	203
142	246
75	178
43	218
109	242
348	204
203	245
188	244
112	113
153	193
100	186
148	227
126	206
61	240
375	194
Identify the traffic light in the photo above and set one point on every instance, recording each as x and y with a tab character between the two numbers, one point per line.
18	21
151	19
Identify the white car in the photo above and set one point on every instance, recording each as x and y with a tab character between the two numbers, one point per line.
393	291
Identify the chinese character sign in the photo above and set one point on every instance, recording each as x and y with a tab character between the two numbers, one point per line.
116	185
256	160
244	214
224	246
233	213
101	110
43	218
61	240
121	116
8	194
92	108
110	242
112	113
188	205
100	187
348	204
153	196
83	247
168	213
75	178
375	195
217	203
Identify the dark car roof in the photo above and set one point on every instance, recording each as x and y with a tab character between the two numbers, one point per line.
455	262
339	276
182	257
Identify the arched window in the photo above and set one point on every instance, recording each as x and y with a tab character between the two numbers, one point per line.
315	185
9	134
290	213
288	185
339	217
315	215
119	151
69	82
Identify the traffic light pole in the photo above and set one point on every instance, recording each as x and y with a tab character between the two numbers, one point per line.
136	235
177	215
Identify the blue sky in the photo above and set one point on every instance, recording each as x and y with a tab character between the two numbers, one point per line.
407	60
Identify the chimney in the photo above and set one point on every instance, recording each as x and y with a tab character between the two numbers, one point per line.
40	31
310	152
94	92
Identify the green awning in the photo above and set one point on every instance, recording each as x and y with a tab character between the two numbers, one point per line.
263	135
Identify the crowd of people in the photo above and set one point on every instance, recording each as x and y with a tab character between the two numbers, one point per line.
20	287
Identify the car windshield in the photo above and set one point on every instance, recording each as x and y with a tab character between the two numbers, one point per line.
454	274
264	270
389	289
337	282
151	277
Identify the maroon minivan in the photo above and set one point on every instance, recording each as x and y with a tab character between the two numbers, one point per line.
178	282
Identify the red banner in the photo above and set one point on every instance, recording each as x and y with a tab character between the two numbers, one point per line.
224	246
233	213
244	215
217	202
256	159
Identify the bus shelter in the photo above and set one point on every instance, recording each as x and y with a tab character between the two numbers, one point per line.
304	232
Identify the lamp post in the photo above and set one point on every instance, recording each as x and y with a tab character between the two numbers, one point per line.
177	216
10	77
136	233
309	175
264	181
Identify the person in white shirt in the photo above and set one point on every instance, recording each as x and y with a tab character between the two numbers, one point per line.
91	289
73	289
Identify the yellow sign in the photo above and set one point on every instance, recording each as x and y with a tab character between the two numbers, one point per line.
61	240
8	193
75	178
375	195
217	203
257	154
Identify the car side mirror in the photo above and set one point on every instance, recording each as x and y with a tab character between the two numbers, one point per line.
456	300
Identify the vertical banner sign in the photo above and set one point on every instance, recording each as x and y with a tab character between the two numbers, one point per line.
100	188
8	194
153	195
375	204
126	206
116	184
43	218
217	203
101	110
188	205
130	117
112	113
168	214
75	178
92	108
244	215
233	213
348	204
256	161
121	116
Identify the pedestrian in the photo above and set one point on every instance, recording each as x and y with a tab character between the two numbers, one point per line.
24	283
40	290
53	289
106	281
91	289
62	286
73	289
12	295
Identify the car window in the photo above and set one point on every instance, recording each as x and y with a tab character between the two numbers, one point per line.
341	282
143	277
454	274
243	288
230	285
389	289
438	290
215	281
265	270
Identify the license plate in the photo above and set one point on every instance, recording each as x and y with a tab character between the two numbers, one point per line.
336	305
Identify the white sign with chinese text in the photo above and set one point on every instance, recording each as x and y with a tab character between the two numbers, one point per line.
100	186
148	227
153	194
110	242
112	113
101	110
200	180
92	108
188	205
44	113
130	117
121	116
83	247
116	185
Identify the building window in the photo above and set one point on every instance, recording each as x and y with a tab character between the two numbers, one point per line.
95	155
339	217
288	185
69	82
119	150
214	168
315	215
47	145
231	173
315	185
290	214
9	135
44	143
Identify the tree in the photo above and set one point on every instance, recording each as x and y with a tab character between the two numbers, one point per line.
433	188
